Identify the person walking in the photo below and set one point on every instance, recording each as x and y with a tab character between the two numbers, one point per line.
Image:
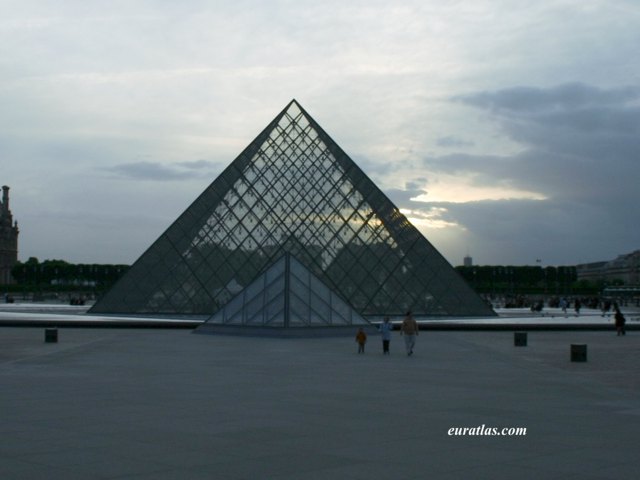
386	327
620	321
563	305
361	339
409	329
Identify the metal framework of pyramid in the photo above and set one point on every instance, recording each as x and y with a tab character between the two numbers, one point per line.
285	296
293	189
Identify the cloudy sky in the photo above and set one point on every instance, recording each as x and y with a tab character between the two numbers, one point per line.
508	130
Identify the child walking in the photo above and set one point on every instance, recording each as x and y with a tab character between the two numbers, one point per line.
361	338
386	328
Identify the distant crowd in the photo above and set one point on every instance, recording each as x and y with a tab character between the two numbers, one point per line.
73	300
537	303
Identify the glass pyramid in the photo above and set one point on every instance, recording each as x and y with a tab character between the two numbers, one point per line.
293	190
287	295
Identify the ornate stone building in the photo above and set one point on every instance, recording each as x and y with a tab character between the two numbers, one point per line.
624	268
8	239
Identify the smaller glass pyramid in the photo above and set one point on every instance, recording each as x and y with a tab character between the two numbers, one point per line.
286	295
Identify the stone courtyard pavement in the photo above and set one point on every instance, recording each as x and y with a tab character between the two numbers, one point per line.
167	404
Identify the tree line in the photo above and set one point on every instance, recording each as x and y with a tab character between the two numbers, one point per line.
62	275
485	279
562	280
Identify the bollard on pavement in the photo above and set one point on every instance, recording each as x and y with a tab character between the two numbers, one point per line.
578	352
51	335
520	339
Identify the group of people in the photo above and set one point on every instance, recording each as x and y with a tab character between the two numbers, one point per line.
408	329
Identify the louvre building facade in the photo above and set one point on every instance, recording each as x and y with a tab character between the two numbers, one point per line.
293	191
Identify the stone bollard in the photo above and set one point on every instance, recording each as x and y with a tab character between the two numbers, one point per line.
520	339
578	352
51	335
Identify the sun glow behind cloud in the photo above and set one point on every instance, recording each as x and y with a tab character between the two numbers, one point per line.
458	189
431	218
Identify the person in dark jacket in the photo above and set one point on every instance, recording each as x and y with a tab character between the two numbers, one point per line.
620	321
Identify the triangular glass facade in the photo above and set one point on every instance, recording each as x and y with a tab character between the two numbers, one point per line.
293	190
287	295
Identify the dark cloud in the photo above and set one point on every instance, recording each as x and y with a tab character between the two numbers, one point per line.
457	163
453	142
580	149
417	184
561	232
570	96
402	197
372	168
577	140
153	171
507	231
199	165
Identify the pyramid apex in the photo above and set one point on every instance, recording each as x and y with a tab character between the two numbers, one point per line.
293	102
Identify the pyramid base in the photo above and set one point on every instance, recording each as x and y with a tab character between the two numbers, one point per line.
281	332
